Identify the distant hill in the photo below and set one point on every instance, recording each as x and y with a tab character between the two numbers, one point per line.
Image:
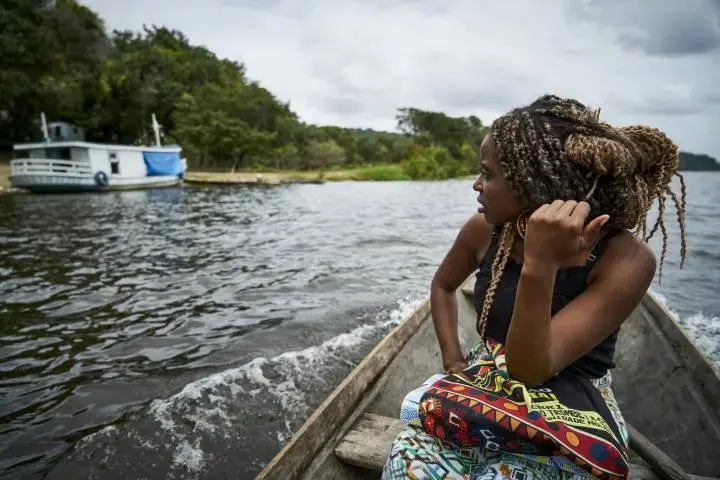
697	162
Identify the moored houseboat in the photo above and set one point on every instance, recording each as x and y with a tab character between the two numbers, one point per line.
64	162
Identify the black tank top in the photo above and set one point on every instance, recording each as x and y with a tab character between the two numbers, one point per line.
569	283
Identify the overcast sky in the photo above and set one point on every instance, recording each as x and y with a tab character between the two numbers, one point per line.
354	62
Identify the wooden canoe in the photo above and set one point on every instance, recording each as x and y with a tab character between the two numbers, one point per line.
676	429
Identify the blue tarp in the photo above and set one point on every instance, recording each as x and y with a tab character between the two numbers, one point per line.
163	163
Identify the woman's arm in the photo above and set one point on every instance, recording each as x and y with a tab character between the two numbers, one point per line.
471	242
539	346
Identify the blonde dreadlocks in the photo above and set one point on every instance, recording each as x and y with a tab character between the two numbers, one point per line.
557	148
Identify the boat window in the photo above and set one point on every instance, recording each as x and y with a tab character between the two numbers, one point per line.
58	153
21	153
114	163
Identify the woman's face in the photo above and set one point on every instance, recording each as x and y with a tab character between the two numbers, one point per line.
498	202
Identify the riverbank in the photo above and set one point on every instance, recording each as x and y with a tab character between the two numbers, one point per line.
247	178
4	175
368	173
5	186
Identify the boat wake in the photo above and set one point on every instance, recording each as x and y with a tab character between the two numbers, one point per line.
704	331
232	421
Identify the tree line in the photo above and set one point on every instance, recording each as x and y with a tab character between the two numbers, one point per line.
56	57
697	162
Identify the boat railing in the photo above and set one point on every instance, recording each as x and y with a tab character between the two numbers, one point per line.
43	166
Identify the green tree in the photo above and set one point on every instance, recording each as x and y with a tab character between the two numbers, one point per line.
460	137
324	155
50	57
211	124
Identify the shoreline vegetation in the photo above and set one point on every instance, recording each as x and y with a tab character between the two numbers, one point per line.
63	62
66	65
359	173
389	172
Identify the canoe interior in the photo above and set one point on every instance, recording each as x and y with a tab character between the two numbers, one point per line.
665	386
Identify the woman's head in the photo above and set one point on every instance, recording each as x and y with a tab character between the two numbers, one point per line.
557	148
500	201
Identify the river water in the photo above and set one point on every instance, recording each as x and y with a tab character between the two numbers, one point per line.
201	324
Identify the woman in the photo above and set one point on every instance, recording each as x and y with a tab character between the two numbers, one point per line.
559	247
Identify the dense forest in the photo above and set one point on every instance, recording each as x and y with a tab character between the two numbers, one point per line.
56	57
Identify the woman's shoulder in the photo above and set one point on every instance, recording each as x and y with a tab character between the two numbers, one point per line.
462	258
476	233
624	257
624	244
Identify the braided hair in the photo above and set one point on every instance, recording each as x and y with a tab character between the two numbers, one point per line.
557	148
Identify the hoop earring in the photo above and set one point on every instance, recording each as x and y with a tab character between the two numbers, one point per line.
521	223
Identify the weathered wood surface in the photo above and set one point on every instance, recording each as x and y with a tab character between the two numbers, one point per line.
704	373
326	465
367	444
665	466
291	462
658	393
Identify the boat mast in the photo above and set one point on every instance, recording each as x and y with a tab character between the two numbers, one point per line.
44	128
156	128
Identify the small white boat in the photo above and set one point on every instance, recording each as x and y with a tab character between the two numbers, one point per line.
64	162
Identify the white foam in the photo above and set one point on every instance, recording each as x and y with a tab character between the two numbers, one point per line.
283	436
220	389
703	331
662	299
108	431
190	456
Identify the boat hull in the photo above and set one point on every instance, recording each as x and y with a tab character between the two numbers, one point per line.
43	183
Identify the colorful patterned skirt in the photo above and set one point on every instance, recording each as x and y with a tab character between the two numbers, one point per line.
416	454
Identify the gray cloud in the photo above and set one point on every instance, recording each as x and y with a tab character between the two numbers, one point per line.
466	86
693	96
353	63
343	104
670	28
662	106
